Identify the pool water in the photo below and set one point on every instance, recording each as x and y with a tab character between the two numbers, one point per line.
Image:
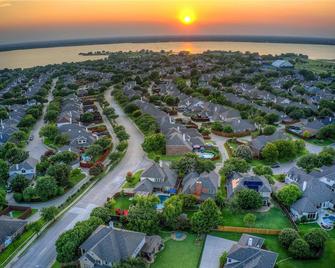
206	155
162	199
179	235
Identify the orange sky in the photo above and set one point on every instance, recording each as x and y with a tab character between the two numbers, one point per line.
20	19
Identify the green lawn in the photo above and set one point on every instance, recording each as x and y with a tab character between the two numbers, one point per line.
321	142
317	66
19	242
179	254
135	180
273	219
56	265
76	176
271	243
122	202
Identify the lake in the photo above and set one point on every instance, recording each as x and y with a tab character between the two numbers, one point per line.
43	56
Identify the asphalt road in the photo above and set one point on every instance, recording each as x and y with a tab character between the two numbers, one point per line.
42	253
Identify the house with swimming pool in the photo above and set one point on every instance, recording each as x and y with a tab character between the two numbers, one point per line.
260	184
158	178
318	199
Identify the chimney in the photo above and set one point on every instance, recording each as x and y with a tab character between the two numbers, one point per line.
70	117
249	241
160	163
198	188
17	166
184	138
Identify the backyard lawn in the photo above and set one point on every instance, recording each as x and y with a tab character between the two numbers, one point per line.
179	254
273	219
122	202
76	176
284	260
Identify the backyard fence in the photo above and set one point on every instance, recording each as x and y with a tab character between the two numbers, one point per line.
235	229
26	211
285	210
231	135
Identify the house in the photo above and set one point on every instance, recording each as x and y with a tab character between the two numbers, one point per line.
26	168
258	143
318	192
78	135
157	178
259	184
282	64
9	229
203	186
240	126
310	129
248	252
108	246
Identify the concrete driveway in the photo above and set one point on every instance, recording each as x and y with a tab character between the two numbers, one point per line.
214	247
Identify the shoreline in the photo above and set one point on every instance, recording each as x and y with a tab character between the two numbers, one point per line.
168	39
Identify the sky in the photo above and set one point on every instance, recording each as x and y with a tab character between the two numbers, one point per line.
42	20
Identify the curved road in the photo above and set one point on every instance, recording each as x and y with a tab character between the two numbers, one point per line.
42	252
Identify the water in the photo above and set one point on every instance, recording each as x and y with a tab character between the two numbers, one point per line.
44	56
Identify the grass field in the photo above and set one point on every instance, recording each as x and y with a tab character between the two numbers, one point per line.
317	66
273	219
76	176
179	254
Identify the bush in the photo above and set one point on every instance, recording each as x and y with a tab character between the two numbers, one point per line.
248	199
299	249
103	213
223	259
244	152
262	170
96	170
249	219
269	130
287	236
316	239
289	194
154	143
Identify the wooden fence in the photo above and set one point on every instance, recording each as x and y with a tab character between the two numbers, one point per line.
231	135
235	229
27	211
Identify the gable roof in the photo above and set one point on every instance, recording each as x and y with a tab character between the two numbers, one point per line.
9	226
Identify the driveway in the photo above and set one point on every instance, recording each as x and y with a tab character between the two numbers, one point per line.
213	249
42	253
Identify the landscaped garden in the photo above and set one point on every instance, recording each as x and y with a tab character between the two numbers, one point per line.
183	254
133	179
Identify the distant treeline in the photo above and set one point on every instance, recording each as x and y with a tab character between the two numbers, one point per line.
169	38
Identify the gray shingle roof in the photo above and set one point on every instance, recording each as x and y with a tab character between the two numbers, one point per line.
9	226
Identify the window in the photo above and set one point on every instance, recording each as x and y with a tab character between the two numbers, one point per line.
311	215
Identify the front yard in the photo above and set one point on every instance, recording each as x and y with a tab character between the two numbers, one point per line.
179	254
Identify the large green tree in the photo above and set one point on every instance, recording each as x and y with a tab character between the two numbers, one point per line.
289	194
247	199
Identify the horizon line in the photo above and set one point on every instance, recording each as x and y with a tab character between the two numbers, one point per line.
168	38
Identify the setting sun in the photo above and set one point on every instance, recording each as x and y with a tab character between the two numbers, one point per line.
187	16
187	20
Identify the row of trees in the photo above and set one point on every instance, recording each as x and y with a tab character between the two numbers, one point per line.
310	246
53	136
281	150
311	161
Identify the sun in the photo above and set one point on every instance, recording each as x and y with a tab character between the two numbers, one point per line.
187	20
187	16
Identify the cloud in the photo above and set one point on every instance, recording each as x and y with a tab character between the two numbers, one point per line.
4	5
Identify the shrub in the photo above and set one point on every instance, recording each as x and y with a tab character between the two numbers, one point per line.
249	219
248	199
299	249
289	194
287	236
244	152
316	239
269	130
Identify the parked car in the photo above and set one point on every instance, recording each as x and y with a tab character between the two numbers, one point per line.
31	137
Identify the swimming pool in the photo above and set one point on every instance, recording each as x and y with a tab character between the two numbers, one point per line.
206	155
162	199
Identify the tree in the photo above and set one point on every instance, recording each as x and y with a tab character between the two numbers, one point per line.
96	170
16	155
29	193
308	162
19	183
228	128
207	218
173	207
316	239
143	217
217	126
49	213
46	188
68	242
326	158
249	219
327	132
248	199
4	169
270	152
244	152
66	157
104	143
260	169
289	194
3	201
271	118
269	130
18	137
27	121
94	150
234	165
299	249
131	263
287	236
61	173
49	131
87	117
154	143
223	259
103	213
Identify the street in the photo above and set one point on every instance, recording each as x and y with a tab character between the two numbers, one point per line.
42	253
